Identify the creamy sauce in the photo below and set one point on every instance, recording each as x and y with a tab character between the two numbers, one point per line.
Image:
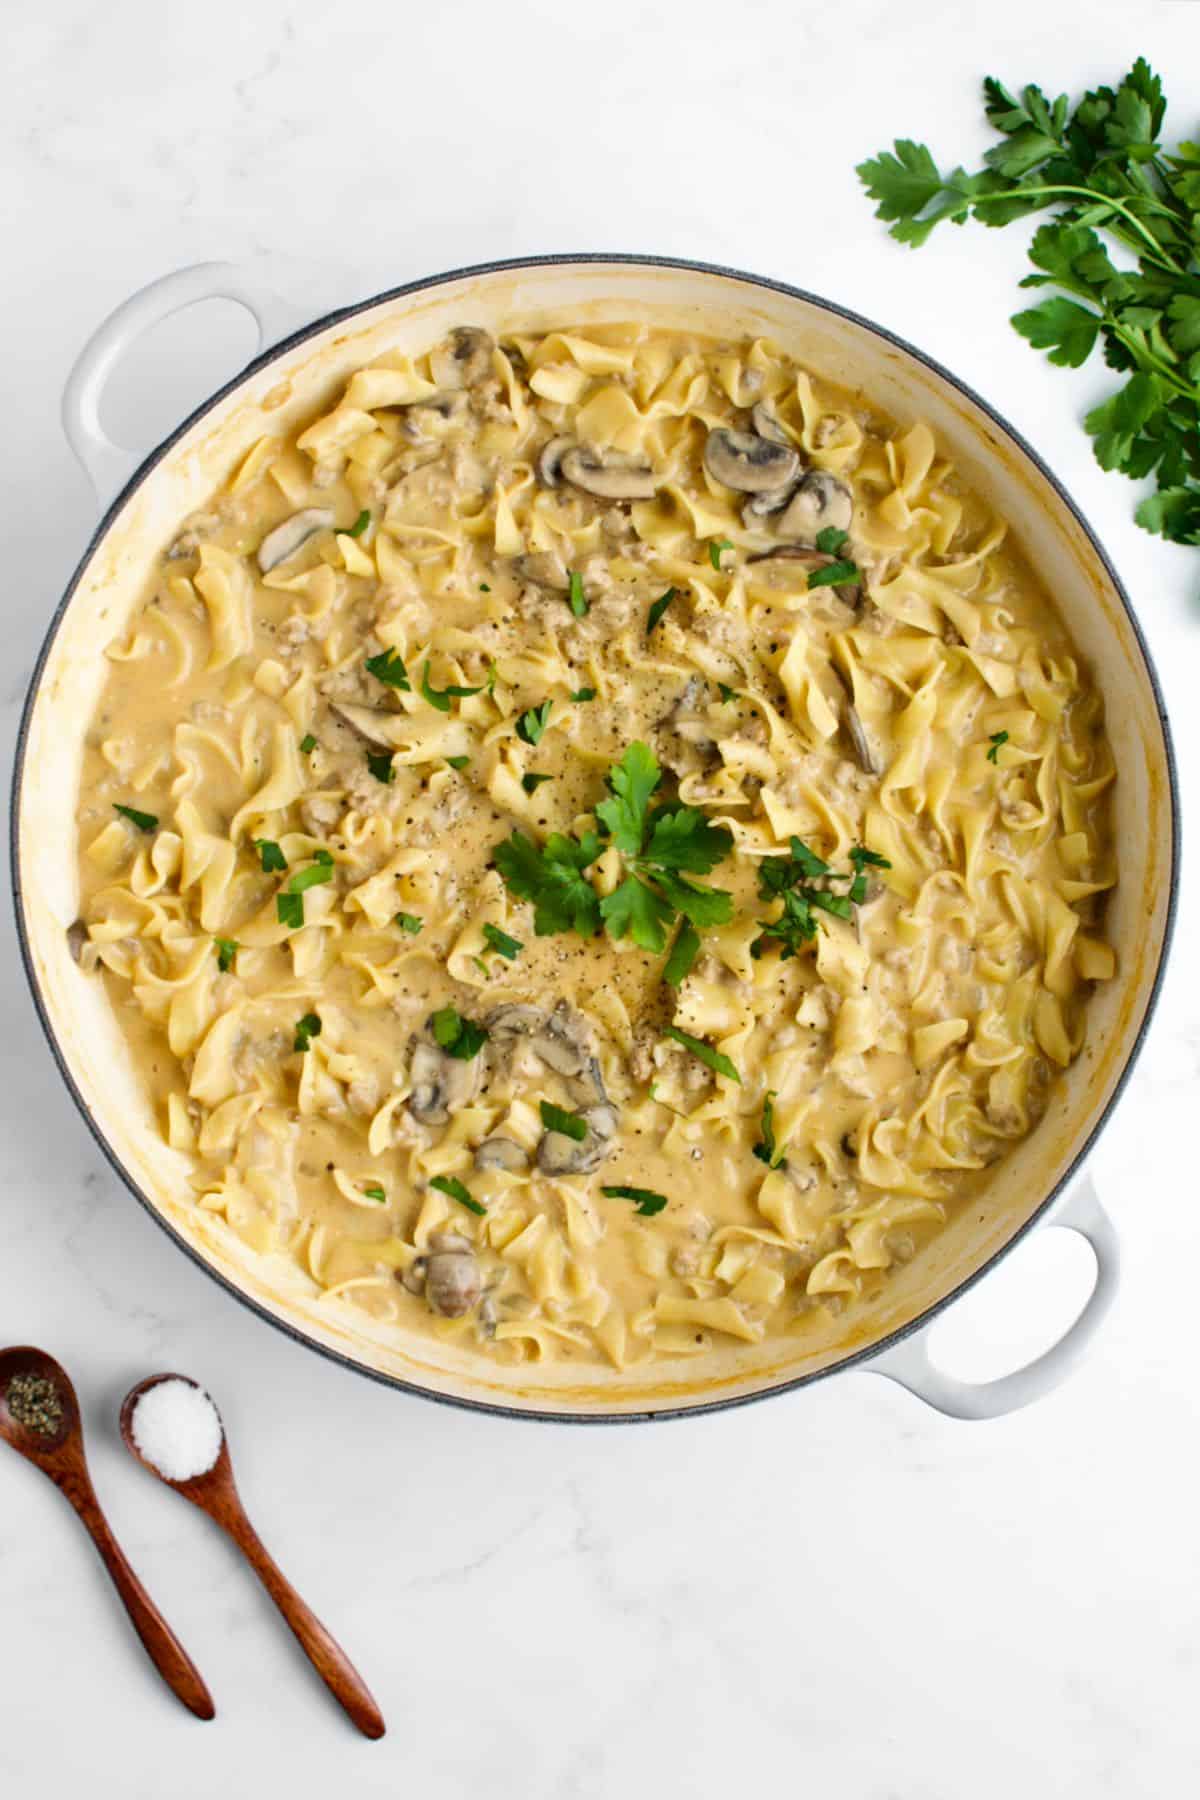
312	873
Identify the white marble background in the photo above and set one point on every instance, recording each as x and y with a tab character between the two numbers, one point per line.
837	1589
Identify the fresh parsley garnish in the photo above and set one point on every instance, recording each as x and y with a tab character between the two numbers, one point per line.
409	922
289	910
316	875
533	781
270	856
499	941
582	694
441	697
684	951
863	858
570	1124
458	1037
997	738
359	526
533	723
308	743
143	820
450	1184
1099	168
727	693
834	574
647	1202
307	1029
375	1192
659	850
389	668
787	879
712	1059
575	594
715	549
458	762
659	608
380	764
830	541
765	1149
227	949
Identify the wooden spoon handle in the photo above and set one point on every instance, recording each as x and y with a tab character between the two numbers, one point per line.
323	1651
162	1646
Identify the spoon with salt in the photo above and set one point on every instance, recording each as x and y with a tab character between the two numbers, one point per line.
170	1424
39	1417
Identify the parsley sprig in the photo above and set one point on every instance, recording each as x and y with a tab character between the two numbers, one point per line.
660	849
791	880
1100	167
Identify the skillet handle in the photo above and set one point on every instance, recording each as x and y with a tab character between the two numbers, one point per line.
911	1365
109	465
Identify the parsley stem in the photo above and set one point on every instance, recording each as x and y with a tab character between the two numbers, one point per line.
1154	251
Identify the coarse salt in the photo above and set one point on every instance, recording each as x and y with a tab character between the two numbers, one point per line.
177	1428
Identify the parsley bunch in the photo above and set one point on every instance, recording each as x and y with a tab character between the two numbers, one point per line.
659	847
1103	166
789	879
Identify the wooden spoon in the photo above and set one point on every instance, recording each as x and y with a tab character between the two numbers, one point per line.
61	1457
215	1492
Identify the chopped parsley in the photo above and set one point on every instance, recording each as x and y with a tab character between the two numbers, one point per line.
765	1149
409	922
441	697
499	941
144	821
380	764
716	548
646	1201
289	909
270	856
359	526
727	693
834	574
533	723
659	850
712	1059
684	952
307	1029
450	1184
389	668
458	1037
484	588
582	694
458	762
659	608
570	1124
575	594
316	875
227	949
786	879
375	1192
533	781
308	743
831	541
996	740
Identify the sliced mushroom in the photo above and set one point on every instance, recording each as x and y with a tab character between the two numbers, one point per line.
545	568
464	359
550	461
514	1021
430	418
453	1282
864	754
768	426
762	506
502	1153
808	558
440	1083
286	539
749	463
607	475
413	1278
820	501
563	1043
77	937
559	1154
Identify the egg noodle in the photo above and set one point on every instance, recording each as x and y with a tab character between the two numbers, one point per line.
596	845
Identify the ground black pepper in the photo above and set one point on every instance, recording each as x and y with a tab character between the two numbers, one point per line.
36	1403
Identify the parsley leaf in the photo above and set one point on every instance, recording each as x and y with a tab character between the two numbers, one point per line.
635	910
727	693
633	780
834	574
270	856
659	608
570	1124
409	922
289	910
715	549
863	858
307	1028
441	697
450	1184
316	875
499	941
359	526
684	839
389	668
830	540
997	738
227	949
380	764
143	820
458	1037
458	762
684	951
308	743
647	1201
551	876
376	1193
765	1149
575	594
533	723
533	781
712	1059
1102	173
582	694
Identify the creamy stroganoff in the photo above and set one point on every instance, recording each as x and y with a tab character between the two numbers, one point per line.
596	845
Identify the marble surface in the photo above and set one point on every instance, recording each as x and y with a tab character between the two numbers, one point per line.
836	1587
